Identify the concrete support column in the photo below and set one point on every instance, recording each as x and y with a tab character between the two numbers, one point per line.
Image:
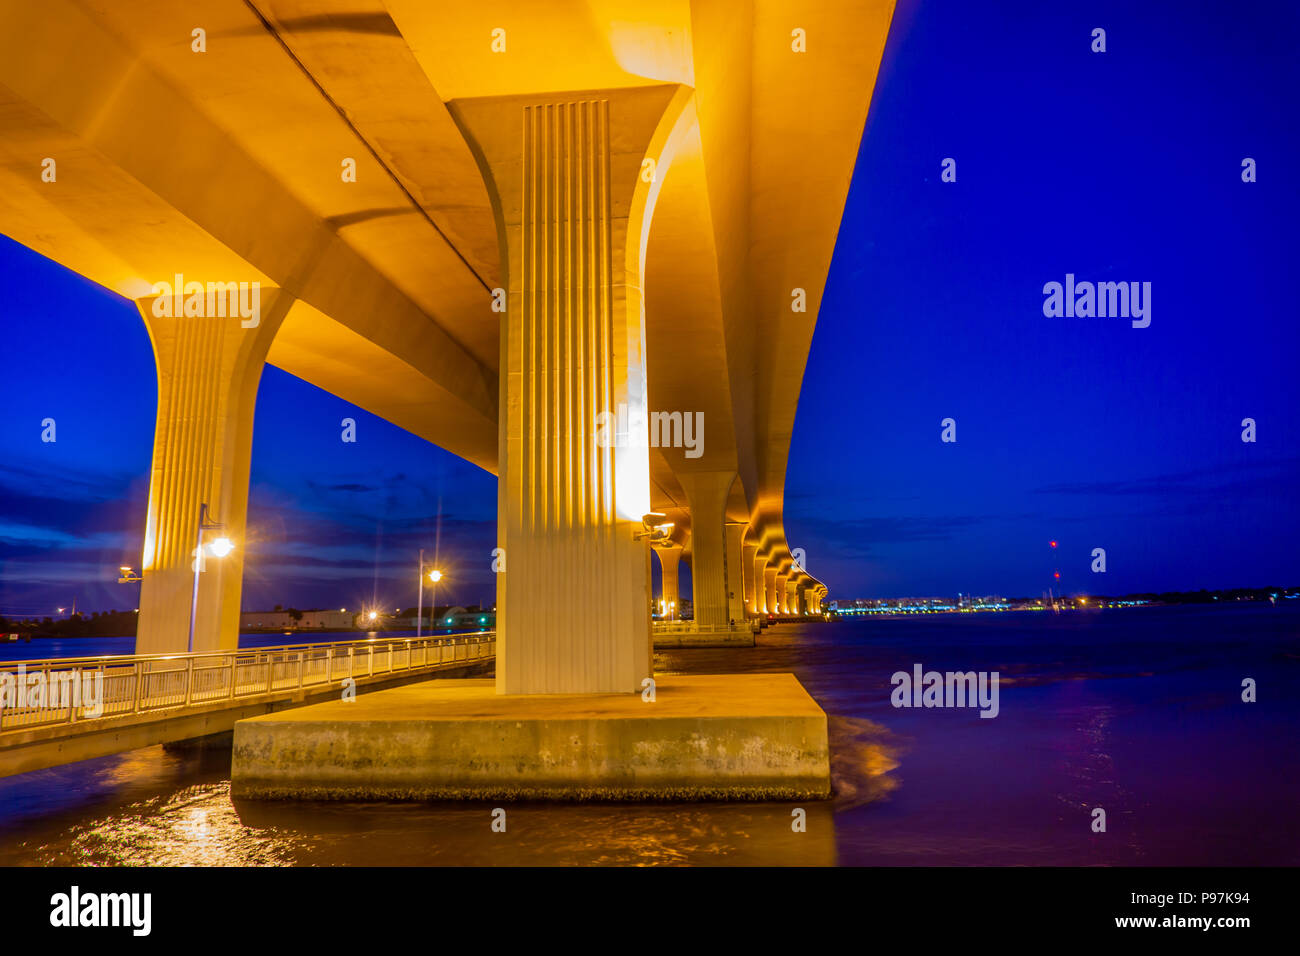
735	540
670	557
753	572
208	372
564	175
769	591
781	593
706	493
792	603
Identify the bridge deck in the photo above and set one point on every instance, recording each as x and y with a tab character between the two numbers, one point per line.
63	710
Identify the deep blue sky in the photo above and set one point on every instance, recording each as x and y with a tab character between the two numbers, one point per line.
1116	166
1122	165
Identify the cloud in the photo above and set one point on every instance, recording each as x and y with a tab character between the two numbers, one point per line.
855	537
1265	476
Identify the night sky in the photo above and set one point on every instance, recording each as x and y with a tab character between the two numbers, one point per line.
1117	166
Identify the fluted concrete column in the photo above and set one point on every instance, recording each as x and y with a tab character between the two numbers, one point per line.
670	557
792	598
770	603
208	372
706	493
563	171
781	594
753	572
735	543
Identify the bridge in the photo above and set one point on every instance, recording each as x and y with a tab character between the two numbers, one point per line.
59	711
581	244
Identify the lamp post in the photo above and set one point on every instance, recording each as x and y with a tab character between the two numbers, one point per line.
434	577
220	547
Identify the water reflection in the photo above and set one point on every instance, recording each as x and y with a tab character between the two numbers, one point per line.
1141	721
863	756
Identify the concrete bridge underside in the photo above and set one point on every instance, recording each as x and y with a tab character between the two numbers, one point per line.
652	193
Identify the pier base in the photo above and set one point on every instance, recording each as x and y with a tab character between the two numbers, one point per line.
719	637
708	737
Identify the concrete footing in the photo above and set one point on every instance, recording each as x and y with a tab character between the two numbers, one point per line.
720	637
709	737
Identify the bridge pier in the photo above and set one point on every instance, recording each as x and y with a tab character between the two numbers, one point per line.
706	493
735	544
706	737
769	590
753	579
779	592
573	198
209	368
670	557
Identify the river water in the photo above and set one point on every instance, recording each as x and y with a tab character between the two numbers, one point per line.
1135	711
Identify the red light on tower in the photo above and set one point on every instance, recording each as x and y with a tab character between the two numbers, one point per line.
1053	543
1057	575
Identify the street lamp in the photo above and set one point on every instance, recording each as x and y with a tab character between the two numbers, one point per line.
128	575
434	577
657	527
220	547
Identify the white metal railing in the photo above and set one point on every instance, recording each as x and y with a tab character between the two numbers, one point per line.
690	627
39	693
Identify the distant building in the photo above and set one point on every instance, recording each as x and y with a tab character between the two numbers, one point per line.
317	619
452	616
916	605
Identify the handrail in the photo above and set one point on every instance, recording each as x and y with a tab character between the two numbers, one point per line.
672	627
128	658
54	691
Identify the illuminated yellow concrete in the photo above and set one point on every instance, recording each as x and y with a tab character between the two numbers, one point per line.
392	272
208	372
753	572
707	494
750	736
670	601
564	173
770	601
738	637
735	578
